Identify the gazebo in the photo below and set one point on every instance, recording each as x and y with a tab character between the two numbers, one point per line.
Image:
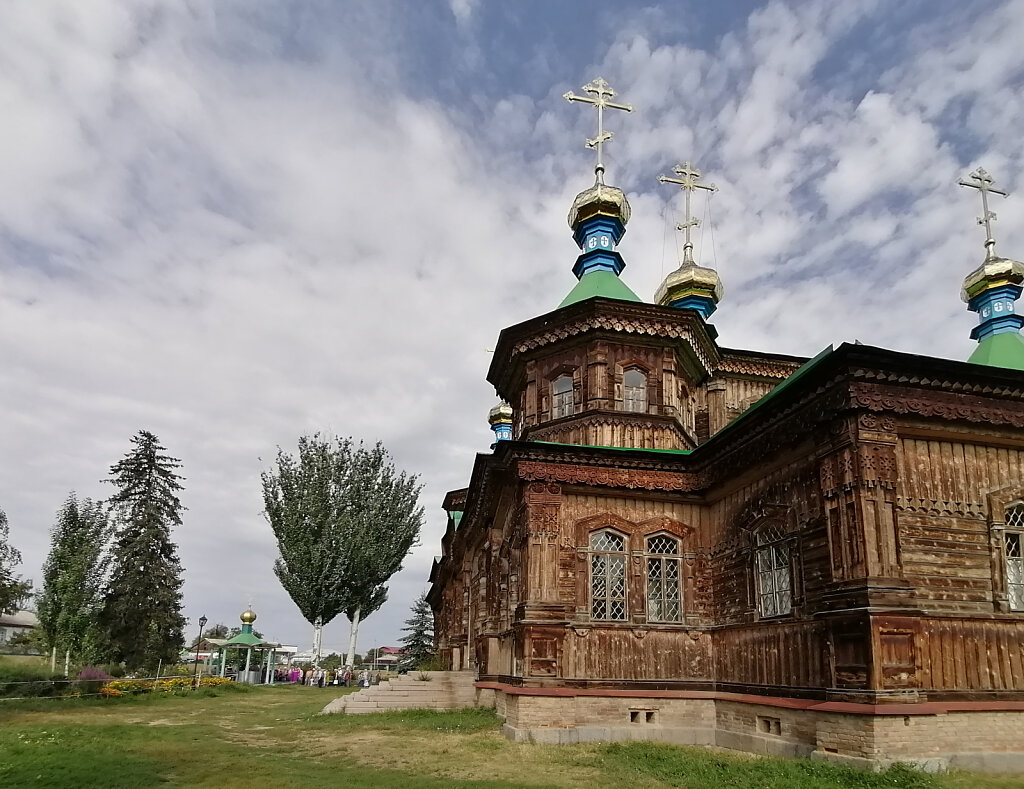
253	673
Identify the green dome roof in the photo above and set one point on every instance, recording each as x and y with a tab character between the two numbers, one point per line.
599	283
1000	350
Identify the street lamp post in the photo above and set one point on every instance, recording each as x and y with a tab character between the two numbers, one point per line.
199	641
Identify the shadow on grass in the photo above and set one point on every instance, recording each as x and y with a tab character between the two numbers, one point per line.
692	767
464	721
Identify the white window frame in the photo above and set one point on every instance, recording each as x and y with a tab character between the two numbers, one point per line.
562	402
773	571
608	575
1013	555
666	564
634	398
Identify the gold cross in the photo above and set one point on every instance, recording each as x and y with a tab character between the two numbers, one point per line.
687	181
983	182
601	94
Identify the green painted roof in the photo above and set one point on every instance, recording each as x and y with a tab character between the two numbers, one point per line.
247	640
1000	350
599	283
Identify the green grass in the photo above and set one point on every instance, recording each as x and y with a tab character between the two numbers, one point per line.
240	737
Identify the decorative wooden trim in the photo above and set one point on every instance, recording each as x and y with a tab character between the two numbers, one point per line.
953	406
610	476
638	325
763	368
940	508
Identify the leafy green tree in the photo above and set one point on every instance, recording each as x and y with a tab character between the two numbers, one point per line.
72	594
219	630
236	630
344	520
142	606
13	590
418	644
332	662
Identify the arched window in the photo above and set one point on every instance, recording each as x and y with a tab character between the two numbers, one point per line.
772	568
561	396
664	595
1013	542
607	575
634	391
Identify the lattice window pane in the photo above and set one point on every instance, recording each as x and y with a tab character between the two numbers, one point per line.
663	545
1015	517
1012	544
607	541
774	582
607	576
769	534
663	591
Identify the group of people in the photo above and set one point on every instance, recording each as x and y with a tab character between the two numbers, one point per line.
318	677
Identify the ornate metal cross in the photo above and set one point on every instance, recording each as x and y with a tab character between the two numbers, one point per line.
983	182
601	93
687	181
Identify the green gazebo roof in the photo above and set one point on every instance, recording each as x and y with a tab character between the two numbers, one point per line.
1000	350
599	283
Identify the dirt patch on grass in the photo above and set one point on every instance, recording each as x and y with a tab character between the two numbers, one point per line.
465	757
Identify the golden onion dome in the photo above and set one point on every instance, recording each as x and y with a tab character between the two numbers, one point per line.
248	617
994	272
502	412
689	280
599	199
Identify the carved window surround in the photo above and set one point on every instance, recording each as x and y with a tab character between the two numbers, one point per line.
1006	544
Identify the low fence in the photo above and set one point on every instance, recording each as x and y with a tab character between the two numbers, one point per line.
21	690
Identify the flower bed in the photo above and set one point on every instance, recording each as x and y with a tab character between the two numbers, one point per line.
121	687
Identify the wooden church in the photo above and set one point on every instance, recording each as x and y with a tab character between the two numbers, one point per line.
676	541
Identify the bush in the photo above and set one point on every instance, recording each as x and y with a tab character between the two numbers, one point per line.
91	680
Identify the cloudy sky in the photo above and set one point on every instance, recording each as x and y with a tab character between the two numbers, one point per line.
232	223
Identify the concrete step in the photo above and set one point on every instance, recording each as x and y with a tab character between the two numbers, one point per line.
444	690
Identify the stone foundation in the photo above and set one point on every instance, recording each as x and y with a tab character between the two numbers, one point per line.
931	736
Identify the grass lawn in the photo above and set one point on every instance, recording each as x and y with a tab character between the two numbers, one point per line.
272	737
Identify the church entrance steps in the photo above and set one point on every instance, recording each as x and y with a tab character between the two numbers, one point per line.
432	690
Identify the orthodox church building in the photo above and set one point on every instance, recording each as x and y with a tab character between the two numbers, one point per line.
678	541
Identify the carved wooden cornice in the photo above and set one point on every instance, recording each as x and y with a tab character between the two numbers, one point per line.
611	477
545	430
940	508
765	368
637	325
636	320
950	405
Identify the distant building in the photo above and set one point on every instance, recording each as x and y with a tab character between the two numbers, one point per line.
15	624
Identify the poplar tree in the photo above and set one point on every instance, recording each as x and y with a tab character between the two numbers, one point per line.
418	645
344	519
12	589
142	605
69	604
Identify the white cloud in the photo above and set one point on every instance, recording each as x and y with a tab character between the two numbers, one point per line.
463	10
234	227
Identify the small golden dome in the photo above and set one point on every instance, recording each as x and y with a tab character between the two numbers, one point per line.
248	617
502	412
689	280
995	271
599	199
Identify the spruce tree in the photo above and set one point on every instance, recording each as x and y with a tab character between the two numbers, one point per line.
12	589
419	643
72	594
142	606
